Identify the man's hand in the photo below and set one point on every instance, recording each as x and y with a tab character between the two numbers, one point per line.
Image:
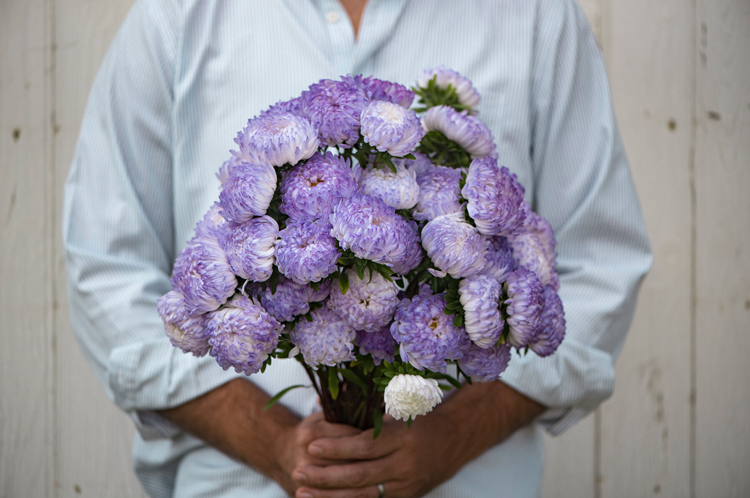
412	461
231	419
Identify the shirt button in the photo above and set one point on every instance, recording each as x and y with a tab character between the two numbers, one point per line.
332	17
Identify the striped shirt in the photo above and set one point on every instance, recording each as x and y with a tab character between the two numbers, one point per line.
183	76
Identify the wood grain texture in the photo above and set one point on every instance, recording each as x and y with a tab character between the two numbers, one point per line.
93	436
26	403
569	462
722	183
645	427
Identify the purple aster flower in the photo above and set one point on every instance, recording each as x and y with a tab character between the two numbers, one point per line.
289	300
368	305
523	307
380	344
242	335
460	127
373	231
455	247
212	224
439	190
391	128
324	290
185	331
250	247
293	106
480	299
310	189
376	89
467	94
399	190
543	230
551	324
203	275
334	108
327	340
499	260
426	334
419	165
306	251
529	252
495	198
277	139
485	365
226	169
247	192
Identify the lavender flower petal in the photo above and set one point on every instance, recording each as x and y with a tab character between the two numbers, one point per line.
466	130
247	192
277	139
391	128
485	365
379	344
310	189
426	335
185	331
480	299
439	190
327	340
494	198
203	275
368	305
455	246
552	324
524	307
250	247
242	335
306	251
399	190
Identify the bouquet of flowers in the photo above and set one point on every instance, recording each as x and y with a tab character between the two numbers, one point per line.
380	246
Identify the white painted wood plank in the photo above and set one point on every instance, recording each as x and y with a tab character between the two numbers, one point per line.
722	181
94	438
593	11
569	462
645	428
26	408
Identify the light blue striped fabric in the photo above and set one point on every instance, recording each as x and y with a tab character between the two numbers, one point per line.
182	77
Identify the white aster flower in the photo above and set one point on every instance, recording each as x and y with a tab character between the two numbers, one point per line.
411	395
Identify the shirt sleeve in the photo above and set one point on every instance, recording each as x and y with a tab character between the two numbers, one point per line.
584	189
118	225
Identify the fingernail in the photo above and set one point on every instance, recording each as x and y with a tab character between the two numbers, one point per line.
315	450
304	494
299	476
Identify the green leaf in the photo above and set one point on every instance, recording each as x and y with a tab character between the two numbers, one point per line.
308	317
377	422
387	158
410	156
359	267
280	394
315	286
458	321
333	382
344	282
408	422
353	377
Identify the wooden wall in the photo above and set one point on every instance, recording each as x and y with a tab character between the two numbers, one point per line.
678	423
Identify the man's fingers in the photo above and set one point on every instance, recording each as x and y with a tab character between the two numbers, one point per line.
369	492
359	447
351	476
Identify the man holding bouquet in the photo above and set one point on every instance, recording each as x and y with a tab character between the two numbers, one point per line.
180	78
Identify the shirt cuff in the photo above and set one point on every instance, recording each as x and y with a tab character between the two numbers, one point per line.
154	375
571	382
